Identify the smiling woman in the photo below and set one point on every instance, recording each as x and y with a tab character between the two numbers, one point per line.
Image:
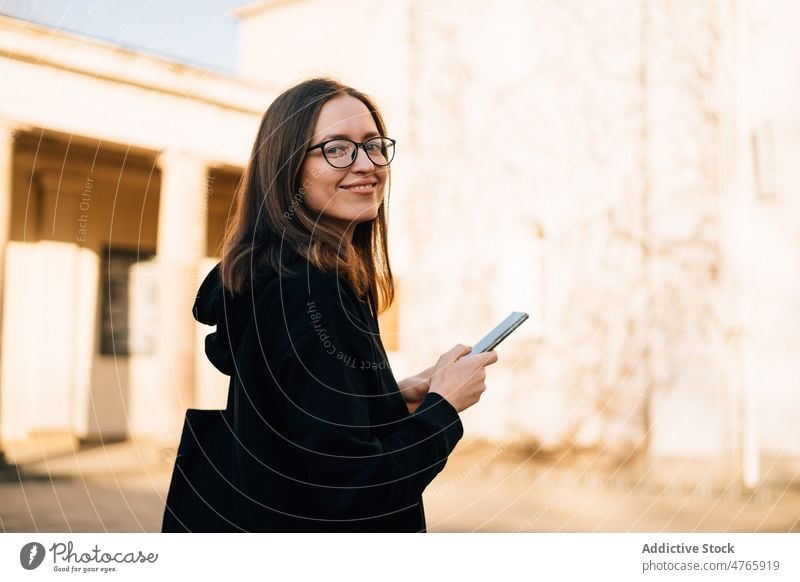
318	435
345	186
325	204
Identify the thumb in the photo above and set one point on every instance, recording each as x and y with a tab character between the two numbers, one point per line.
455	353
487	358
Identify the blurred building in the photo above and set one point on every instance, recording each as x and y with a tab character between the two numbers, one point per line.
117	176
626	176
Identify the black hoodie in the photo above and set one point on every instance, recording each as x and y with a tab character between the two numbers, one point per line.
324	440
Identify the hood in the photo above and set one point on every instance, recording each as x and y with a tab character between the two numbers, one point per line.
214	305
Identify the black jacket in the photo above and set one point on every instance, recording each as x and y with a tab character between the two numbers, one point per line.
324	440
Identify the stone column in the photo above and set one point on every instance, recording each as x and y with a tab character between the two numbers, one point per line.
182	217
6	161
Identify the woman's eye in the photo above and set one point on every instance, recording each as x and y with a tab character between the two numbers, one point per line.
335	151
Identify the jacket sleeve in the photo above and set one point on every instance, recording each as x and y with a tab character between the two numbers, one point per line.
351	471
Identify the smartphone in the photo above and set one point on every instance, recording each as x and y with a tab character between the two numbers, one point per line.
498	334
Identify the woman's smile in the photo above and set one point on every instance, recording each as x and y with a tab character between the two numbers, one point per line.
361	186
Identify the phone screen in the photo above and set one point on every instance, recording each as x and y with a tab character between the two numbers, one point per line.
499	333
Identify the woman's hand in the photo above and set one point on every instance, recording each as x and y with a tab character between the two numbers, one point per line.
461	378
415	388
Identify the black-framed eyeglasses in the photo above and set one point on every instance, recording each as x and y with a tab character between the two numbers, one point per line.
341	152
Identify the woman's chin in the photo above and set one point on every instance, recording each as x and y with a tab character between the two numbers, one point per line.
345	220
364	213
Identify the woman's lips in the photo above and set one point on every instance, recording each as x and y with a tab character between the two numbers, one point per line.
360	189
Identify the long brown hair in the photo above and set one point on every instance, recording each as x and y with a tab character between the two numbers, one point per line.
271	221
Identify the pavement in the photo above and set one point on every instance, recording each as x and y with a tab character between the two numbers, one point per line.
113	488
121	488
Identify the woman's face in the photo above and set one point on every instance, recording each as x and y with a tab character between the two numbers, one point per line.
333	192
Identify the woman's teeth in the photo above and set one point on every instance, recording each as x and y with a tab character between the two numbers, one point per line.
364	187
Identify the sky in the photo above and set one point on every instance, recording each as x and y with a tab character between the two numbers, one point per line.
196	32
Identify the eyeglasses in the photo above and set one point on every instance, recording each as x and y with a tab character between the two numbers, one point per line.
341	153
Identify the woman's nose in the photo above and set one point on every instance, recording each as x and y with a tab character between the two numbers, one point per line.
363	161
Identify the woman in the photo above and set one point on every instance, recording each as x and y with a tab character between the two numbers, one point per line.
326	439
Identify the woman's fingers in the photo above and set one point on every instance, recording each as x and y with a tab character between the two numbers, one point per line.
489	357
461	350
484	359
454	353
